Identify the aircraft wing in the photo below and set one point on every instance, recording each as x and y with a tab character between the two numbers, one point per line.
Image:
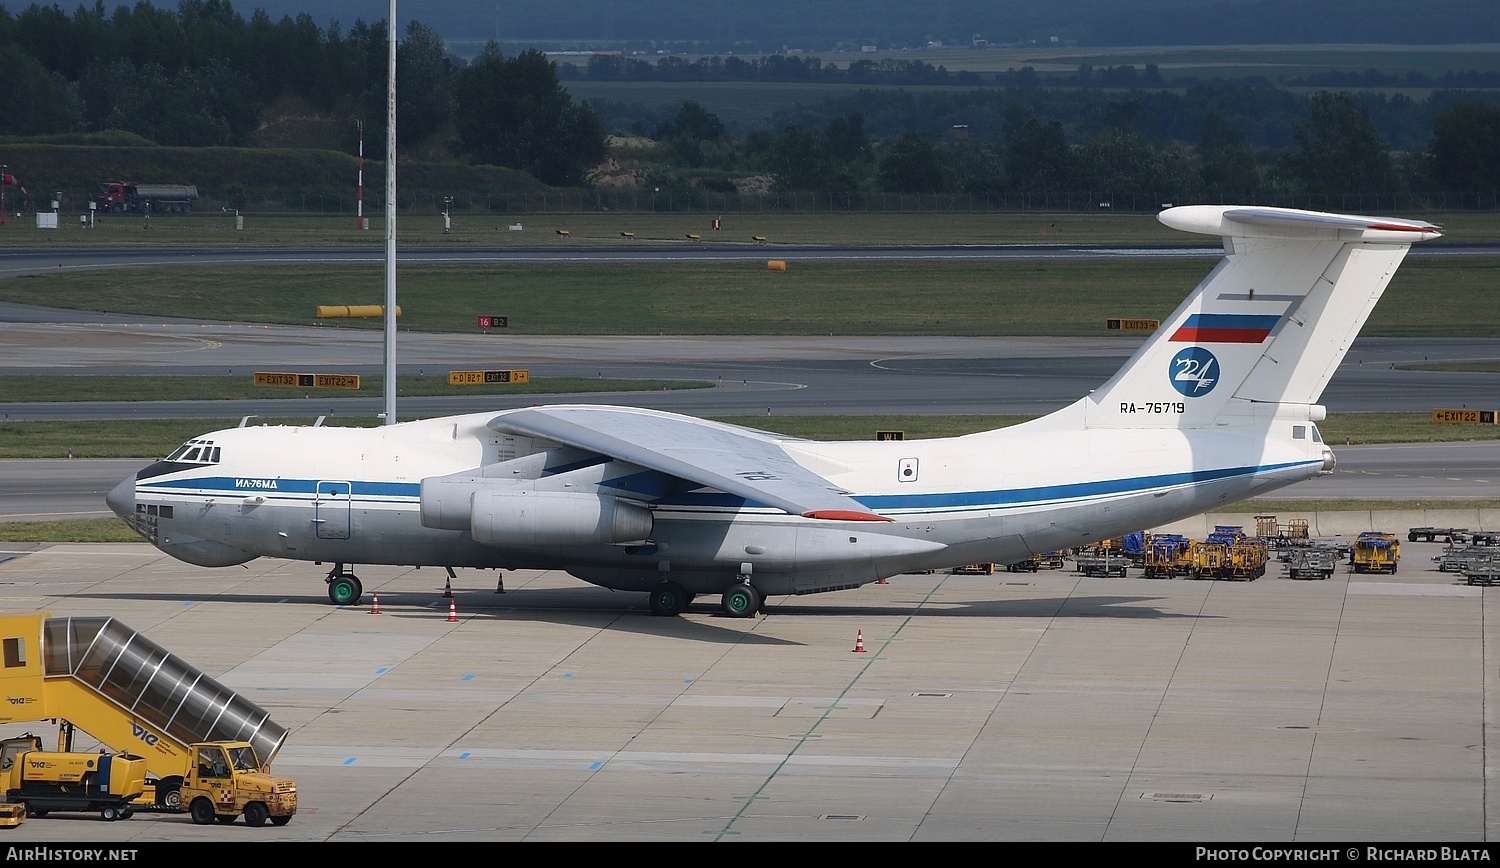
717	456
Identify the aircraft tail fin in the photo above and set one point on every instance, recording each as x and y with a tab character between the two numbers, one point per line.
1270	323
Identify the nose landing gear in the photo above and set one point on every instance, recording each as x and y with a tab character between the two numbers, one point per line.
344	588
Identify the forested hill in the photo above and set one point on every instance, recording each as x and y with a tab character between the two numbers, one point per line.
774	25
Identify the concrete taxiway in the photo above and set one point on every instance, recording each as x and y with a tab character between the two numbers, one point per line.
1025	707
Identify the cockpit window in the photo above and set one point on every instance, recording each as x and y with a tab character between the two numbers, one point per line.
1299	432
1317	438
196	452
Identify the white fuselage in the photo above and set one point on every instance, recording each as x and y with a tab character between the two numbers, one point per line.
355	495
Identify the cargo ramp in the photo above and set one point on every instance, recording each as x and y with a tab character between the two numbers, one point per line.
122	689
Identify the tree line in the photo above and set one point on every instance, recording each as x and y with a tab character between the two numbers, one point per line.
1114	147
203	75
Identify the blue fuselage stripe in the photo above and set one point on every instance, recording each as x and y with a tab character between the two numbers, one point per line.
302	489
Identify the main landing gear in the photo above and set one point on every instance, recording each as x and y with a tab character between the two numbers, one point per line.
344	588
741	600
669	598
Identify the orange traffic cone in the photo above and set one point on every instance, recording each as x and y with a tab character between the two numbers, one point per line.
500	584
375	605
453	610
448	588
859	642
880	581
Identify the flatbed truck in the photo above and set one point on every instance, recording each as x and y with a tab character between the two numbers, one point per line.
145	198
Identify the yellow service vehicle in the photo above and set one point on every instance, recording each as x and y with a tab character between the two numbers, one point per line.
1376	552
47	781
1208	558
1248	557
12	814
974	570
226	780
1168	556
101	677
1229	554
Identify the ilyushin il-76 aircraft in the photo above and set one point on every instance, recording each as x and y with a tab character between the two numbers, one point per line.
1218	405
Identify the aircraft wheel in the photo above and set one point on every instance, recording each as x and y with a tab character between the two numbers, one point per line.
345	590
669	598
741	601
202	811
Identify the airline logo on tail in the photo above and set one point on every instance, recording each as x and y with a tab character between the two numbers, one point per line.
1193	371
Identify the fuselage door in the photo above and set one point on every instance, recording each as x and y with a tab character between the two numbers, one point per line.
332	510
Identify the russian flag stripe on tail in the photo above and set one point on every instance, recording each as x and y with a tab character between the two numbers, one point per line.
1225	328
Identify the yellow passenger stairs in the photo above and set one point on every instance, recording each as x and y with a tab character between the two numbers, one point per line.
123	689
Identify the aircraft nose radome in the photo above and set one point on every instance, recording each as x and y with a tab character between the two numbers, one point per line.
121	498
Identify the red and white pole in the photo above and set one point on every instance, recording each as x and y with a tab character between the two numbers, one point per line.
360	212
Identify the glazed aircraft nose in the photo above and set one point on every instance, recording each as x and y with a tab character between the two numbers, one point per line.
121	498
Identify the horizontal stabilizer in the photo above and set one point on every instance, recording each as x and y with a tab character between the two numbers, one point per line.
1293	224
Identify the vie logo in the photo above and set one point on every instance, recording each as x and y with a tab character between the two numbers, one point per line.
18	700
143	734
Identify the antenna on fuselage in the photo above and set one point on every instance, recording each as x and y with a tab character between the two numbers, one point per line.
390	222
245	422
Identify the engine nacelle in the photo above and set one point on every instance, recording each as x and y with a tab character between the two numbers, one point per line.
522	517
446	502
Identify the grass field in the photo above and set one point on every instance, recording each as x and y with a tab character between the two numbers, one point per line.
180	387
592	228
470	229
808	298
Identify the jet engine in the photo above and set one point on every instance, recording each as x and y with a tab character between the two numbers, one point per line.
555	518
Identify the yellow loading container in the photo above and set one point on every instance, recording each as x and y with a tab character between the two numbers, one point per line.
340	311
